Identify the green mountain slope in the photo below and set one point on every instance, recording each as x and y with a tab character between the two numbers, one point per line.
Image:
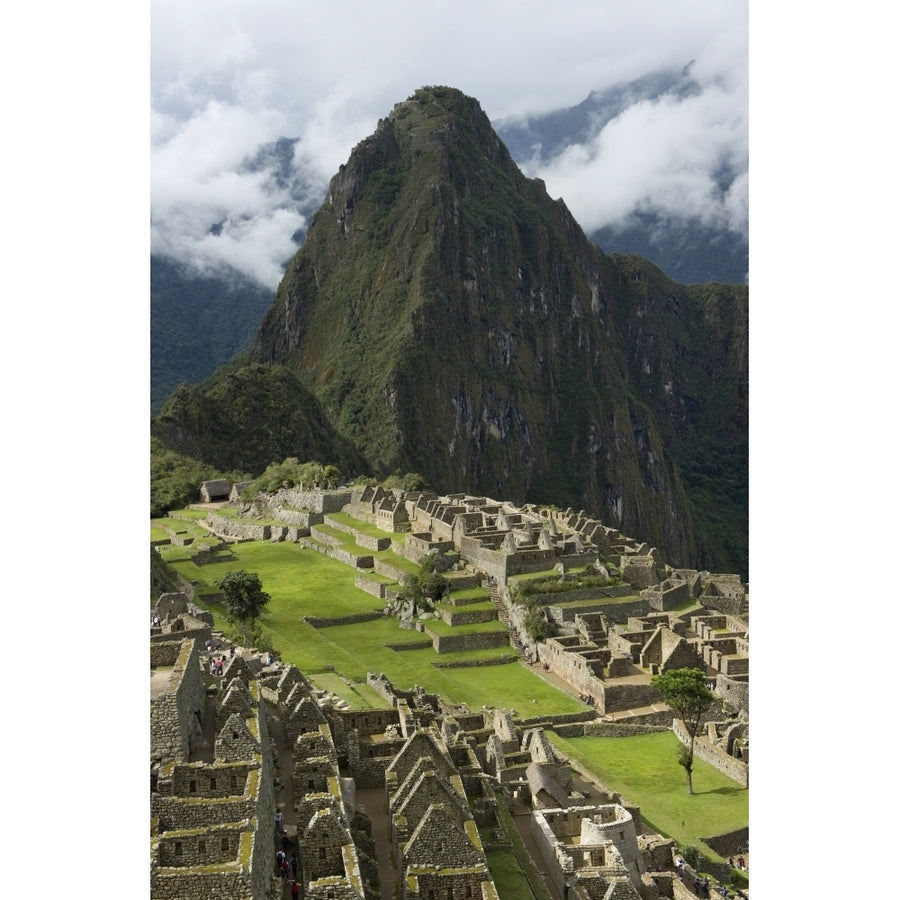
452	319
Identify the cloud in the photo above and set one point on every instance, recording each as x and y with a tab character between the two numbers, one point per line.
679	155
229	75
206	207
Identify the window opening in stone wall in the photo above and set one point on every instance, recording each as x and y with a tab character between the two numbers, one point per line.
225	844
321	853
234	783
178	848
212	784
310	784
192	787
201	847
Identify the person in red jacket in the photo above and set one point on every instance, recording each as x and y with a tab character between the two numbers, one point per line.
295	888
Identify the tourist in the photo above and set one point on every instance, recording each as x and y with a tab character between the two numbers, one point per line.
279	859
295	888
741	864
294	864
285	868
279	822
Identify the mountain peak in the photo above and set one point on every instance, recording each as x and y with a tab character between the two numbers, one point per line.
453	320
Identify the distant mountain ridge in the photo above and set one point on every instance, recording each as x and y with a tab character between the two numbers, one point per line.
448	317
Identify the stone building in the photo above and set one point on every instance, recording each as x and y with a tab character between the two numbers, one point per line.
212	820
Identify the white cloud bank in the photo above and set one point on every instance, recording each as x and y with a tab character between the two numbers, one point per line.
668	155
229	75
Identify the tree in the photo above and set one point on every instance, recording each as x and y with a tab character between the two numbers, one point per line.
427	586
244	597
536	626
685	692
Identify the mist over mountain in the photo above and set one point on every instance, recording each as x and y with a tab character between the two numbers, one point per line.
686	245
445	315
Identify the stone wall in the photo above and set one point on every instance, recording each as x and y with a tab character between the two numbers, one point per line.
301	519
388	571
225	526
316	500
320	622
617	611
175	713
369	542
327	544
733	768
735	692
555	598
468	616
375	588
420	544
478	640
179	813
181	628
667	595
620	696
598	728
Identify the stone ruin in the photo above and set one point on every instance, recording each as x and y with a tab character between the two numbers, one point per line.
444	769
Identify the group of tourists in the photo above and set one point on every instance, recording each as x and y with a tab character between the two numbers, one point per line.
701	887
286	868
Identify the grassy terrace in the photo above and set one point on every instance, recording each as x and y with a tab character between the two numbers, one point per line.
366	528
440	627
644	769
470	594
185	526
302	582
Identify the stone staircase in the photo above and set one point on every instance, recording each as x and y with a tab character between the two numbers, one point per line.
502	611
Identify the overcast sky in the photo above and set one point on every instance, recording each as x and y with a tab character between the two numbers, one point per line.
227	75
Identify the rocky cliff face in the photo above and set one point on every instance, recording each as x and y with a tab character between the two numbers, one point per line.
452	319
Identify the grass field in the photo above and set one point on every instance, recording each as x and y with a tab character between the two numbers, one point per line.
302	582
645	770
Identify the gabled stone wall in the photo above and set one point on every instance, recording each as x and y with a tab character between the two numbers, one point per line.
175	715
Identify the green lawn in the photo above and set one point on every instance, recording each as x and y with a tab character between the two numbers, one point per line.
360	526
645	770
470	594
302	582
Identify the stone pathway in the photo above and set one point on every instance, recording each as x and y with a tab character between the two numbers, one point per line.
283	795
373	802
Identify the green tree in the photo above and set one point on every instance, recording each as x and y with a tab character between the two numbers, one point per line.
536	626
685	692
244	599
332	476
427	586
